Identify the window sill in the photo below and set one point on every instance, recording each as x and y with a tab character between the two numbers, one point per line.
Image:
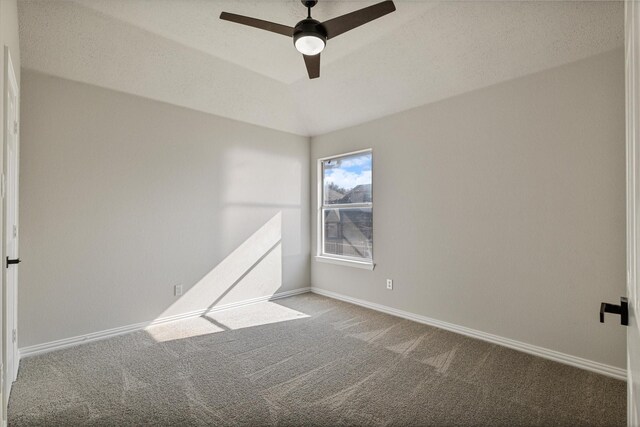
346	262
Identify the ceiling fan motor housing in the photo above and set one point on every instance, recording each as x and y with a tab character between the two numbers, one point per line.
309	27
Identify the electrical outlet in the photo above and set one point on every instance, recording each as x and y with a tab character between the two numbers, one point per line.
389	284
177	290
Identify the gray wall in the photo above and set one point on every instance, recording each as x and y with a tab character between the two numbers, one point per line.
122	198
502	210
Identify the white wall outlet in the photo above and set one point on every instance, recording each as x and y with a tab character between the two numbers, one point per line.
177	290
389	284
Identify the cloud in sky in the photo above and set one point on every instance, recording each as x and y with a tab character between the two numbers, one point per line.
349	172
347	179
361	161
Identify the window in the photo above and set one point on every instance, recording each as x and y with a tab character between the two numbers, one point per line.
345	222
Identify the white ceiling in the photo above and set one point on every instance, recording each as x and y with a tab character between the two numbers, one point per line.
178	51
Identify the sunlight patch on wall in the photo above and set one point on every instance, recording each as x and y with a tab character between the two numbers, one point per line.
250	175
253	269
248	191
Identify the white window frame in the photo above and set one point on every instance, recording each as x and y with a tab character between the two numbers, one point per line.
332	258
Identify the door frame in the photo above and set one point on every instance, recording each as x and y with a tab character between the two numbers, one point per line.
632	77
9	351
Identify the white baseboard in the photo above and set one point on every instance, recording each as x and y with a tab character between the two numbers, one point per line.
94	336
546	353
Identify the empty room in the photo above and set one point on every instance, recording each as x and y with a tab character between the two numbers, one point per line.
320	213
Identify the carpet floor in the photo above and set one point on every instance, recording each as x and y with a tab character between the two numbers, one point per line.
306	360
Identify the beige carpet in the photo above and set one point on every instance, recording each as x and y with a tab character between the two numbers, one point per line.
306	360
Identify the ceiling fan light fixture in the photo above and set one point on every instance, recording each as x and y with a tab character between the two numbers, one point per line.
309	44
309	37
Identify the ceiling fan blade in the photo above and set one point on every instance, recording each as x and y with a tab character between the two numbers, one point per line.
313	65
258	23
344	23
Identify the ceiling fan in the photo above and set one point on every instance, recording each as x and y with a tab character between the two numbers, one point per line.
310	36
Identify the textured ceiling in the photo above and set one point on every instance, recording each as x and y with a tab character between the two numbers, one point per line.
178	51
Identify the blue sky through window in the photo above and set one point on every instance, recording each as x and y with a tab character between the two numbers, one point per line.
348	172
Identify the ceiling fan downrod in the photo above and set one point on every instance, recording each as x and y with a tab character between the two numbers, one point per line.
309	4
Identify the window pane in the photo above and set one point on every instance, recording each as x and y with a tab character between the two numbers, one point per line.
348	232
347	179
